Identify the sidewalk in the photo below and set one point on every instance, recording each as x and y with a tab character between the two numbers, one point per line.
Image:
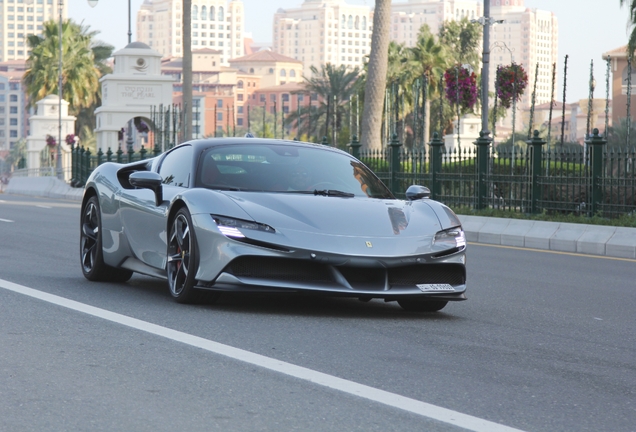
564	237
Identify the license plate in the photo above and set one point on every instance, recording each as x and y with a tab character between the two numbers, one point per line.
435	287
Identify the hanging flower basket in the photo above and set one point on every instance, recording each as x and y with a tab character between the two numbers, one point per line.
461	87
50	141
511	81
70	139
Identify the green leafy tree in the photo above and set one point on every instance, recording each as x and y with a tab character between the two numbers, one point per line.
631	46
83	63
462	41
429	60
334	85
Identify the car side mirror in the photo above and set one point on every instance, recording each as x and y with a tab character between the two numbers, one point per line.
148	180
417	192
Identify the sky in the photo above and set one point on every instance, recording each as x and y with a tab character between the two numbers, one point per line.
587	29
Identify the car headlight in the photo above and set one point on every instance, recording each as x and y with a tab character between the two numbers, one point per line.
450	239
231	227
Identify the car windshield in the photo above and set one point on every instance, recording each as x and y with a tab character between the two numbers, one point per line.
287	169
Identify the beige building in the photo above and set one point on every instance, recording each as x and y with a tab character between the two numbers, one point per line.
407	18
216	24
324	31
273	68
18	20
527	37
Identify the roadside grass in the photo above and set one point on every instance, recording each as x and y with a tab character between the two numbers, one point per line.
625	220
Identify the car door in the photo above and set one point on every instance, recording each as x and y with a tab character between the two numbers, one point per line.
145	224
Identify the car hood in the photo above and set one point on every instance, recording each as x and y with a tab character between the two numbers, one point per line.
363	226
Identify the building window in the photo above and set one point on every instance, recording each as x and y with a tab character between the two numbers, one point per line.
195	12
13	122
292	73
283	73
272	97
13	110
239	121
239	109
219	103
262	98
239	97
219	116
239	84
13	134
285	97
204	13
221	16
212	16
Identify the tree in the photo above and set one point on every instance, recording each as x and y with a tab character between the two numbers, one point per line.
82	65
429	61
334	85
631	46
371	128
462	41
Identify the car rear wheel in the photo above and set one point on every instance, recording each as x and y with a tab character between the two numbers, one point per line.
91	254
183	261
413	305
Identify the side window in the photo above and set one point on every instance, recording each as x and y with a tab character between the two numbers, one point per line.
175	168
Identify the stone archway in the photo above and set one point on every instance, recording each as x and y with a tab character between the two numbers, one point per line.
135	86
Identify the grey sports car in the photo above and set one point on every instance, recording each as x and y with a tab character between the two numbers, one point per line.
248	214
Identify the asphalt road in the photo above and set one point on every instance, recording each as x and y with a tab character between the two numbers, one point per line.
546	342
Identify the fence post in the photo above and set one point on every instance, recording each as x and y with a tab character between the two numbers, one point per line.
483	144
120	152
596	142
87	166
74	150
80	166
536	157
435	146
355	147
100	157
142	153
109	155
131	153
395	145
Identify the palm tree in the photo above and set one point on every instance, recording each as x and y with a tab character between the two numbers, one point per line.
429	60
82	65
371	128
631	46
334	85
462	39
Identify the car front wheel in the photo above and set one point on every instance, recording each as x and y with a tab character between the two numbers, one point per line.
183	261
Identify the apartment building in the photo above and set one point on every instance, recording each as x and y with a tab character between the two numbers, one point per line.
324	31
13	113
407	18
216	24
527	37
20	18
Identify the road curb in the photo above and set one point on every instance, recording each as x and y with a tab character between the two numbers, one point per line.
610	241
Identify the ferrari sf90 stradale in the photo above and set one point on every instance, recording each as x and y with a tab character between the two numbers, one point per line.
258	215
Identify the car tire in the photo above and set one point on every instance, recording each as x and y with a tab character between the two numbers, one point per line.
91	253
183	261
418	305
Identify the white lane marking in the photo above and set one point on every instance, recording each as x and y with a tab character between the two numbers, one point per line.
6	220
384	397
43	206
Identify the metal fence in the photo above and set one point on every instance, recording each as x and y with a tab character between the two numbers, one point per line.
590	180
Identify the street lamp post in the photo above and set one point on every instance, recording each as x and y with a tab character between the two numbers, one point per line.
59	93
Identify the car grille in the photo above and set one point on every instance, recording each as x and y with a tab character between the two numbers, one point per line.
280	269
363	278
453	274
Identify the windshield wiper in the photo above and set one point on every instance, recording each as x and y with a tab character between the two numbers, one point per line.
334	193
324	192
